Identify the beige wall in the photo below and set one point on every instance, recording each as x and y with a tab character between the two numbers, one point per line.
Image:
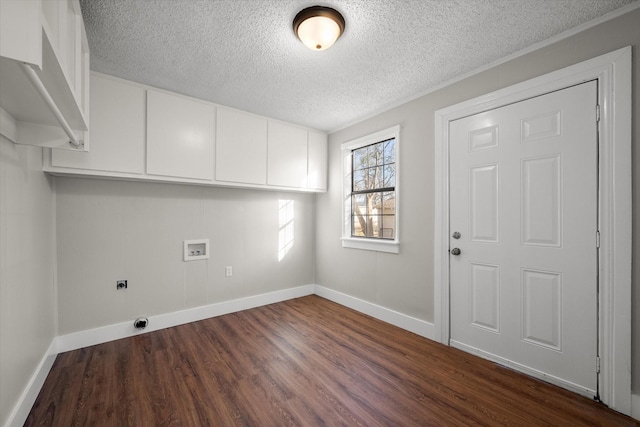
111	230
27	287
404	282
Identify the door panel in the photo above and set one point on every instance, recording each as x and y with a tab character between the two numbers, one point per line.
523	191
483	212
542	308
485	292
541	190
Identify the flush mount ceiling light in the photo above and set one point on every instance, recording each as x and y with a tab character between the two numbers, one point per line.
318	27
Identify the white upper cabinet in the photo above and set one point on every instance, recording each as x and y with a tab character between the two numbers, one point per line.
241	147
117	129
44	73
180	136
287	155
21	31
141	133
317	161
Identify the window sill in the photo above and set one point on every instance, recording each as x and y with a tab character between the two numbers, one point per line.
388	246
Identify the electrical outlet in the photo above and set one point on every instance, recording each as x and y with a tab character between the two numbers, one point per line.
121	284
228	271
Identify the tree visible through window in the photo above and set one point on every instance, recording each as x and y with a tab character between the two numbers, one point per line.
373	193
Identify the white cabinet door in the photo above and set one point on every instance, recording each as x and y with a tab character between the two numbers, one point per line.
180	136
21	31
317	161
287	155
241	147
117	130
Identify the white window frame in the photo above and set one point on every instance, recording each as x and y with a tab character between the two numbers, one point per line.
370	244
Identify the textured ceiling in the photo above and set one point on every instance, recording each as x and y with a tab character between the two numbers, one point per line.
243	53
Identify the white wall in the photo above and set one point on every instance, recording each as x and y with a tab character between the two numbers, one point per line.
27	286
111	230
404	282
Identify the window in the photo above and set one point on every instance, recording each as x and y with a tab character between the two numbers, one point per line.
373	190
370	182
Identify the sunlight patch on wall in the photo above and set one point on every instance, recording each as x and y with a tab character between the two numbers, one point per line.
286	234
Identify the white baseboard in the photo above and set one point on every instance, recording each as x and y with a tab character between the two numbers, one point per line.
28	397
635	406
412	324
123	330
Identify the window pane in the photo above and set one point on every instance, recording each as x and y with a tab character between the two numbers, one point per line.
358	214
375	203
389	198
379	154
372	154
360	158
359	180
390	175
388	230
358	226
375	178
359	204
389	151
373	215
371	178
372	226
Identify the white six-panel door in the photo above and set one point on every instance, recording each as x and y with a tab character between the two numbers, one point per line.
523	198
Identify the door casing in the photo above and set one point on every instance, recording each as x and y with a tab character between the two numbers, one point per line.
613	72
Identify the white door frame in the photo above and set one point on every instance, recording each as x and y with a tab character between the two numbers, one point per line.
613	72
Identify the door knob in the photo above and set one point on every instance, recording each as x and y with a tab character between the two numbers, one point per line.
455	251
456	235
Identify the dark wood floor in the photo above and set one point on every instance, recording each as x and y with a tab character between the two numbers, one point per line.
303	362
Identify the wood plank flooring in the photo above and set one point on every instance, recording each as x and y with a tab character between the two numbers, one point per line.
303	362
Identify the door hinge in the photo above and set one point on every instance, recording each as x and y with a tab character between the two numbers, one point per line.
597	365
598	239
597	112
